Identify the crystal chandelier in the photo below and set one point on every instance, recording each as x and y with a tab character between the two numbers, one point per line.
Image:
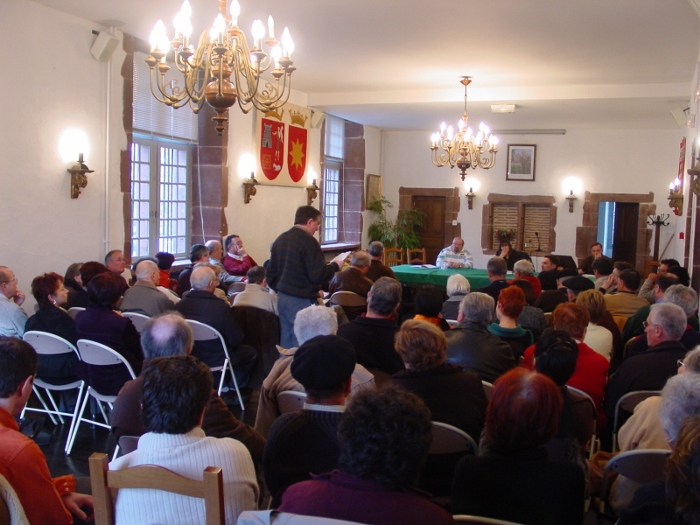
464	150
222	70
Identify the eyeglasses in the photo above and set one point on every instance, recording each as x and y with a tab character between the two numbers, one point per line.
680	363
646	323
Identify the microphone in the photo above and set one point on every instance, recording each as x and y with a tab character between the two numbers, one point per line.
538	241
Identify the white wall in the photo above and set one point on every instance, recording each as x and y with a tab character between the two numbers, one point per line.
53	83
624	161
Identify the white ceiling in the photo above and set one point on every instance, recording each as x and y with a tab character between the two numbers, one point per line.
396	64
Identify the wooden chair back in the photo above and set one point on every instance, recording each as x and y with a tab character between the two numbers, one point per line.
416	256
345	298
211	488
393	256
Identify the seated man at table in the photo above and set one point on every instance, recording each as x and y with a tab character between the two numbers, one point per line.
454	256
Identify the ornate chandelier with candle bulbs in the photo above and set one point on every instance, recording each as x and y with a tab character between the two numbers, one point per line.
464	150
222	70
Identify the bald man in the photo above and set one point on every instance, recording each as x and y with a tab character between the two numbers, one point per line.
144	297
455	256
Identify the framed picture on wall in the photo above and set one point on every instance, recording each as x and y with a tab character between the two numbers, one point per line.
374	188
521	162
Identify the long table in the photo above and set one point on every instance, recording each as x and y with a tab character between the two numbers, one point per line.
415	276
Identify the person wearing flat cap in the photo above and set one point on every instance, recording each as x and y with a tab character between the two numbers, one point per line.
576	285
550	299
305	442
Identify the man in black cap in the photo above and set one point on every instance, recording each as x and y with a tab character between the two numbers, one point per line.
300	443
576	285
550	299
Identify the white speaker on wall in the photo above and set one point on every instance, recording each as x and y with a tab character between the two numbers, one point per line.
103	47
317	118
679	116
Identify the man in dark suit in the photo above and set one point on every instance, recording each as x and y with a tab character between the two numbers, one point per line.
550	299
200	304
548	273
497	269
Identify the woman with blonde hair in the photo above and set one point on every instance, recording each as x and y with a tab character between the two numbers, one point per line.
597	337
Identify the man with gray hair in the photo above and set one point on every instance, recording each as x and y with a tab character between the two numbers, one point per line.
353	280
373	335
496	269
310	322
256	292
12	317
377	268
169	335
686	298
470	344
650	370
201	304
216	255
144	297
525	271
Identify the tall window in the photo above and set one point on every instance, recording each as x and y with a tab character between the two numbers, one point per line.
161	168
334	153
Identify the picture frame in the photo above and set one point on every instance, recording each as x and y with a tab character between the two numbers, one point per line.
521	162
374	188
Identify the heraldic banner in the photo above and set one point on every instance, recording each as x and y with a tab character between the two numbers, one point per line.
283	136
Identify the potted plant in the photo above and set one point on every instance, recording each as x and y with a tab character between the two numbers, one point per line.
399	234
505	235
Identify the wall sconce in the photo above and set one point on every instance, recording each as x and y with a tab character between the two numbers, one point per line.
470	199
571	198
675	196
249	188
311	192
78	180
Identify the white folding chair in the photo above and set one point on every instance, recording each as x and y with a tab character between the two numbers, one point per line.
450	440
642	466
75	310
204	332
480	520
138	319
488	389
95	354
49	344
627	403
290	401
345	298
594	445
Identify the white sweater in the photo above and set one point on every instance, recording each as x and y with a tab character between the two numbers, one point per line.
188	455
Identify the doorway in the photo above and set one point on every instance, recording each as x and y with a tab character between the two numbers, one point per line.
617	230
432	232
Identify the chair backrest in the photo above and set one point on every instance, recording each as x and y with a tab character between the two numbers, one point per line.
450	440
271	517
629	401
393	256
262	332
48	344
290	401
75	310
236	287
620	321
480	520
416	256
211	488
344	298
128	444
138	319
488	389
97	354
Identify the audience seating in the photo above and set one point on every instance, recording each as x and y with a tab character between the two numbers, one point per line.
480	520
620	321
262	331
49	344
73	311
416	256
627	403
275	517
594	445
488	387
94	354
450	440
128	444
204	332
11	511
290	401
211	488
642	466
138	319
393	256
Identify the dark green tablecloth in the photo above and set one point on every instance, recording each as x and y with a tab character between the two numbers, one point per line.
413	275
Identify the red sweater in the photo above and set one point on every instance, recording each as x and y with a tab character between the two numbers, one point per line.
236	267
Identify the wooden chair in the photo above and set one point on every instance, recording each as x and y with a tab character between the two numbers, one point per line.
620	321
416	256
642	466
211	488
393	256
290	401
204	332
138	319
627	403
49	344
95	354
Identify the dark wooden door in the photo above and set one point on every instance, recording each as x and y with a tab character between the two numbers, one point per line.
432	233
625	232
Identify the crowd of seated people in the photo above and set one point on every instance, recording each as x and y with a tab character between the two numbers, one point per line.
382	367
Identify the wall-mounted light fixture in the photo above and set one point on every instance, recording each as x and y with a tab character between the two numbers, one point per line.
311	192
471	186
572	187
247	165
675	196
78	180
